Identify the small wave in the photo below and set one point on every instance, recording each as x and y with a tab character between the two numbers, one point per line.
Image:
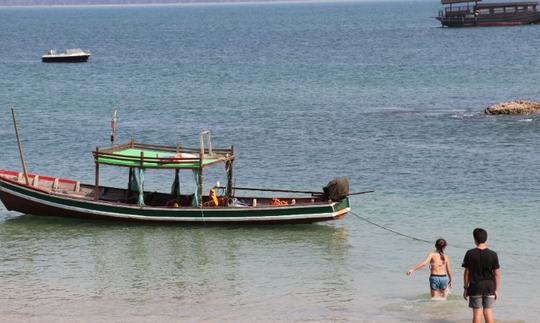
526	120
464	115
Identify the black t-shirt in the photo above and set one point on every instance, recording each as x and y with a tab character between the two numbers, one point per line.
481	264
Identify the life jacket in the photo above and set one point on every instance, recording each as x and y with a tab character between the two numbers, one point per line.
213	196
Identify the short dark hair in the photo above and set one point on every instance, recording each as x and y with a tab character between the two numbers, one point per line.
480	235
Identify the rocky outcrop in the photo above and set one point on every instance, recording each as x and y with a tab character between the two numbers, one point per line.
514	107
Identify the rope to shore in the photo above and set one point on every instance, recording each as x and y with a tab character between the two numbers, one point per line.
459	246
388	229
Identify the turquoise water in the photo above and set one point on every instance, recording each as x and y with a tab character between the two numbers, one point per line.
306	92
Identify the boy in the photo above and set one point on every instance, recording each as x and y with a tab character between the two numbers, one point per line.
481	278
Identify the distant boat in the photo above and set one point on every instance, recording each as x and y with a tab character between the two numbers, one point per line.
75	55
463	13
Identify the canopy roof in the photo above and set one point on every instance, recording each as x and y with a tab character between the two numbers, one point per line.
458	1
140	155
506	4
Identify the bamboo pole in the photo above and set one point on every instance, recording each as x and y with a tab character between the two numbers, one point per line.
200	188
113	128
128	193
21	151
359	193
289	191
230	174
96	187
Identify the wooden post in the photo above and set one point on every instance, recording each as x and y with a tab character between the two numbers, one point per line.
21	151
230	175
201	146
200	188
177	148
129	183
96	188
113	128
210	143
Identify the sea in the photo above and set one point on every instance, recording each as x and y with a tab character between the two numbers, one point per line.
306	92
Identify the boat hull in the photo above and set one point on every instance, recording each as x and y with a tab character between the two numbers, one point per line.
65	59
492	20
26	199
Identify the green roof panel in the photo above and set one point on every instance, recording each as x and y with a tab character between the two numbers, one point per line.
131	157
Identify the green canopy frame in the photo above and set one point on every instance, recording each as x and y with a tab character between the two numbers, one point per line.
142	156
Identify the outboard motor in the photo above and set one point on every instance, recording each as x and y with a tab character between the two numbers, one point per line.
337	189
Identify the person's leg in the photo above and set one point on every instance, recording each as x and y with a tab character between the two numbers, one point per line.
444	292
487	304
475	303
488	315
477	315
433	286
443	286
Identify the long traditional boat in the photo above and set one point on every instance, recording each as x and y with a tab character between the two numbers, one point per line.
471	13
51	196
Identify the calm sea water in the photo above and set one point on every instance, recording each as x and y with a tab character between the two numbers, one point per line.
306	92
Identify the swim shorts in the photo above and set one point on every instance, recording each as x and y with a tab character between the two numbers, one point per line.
438	282
480	301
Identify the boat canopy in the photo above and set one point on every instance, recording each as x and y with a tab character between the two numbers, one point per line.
506	4
139	156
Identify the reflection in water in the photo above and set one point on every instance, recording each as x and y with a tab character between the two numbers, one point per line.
218	271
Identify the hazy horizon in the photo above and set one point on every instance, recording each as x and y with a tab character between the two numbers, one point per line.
11	3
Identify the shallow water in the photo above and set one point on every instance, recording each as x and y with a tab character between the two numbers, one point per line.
306	92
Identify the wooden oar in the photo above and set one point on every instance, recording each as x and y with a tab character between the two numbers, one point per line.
359	193
271	190
21	152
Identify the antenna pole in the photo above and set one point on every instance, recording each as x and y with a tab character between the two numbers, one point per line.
21	152
113	128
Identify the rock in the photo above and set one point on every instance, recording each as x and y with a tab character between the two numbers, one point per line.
514	107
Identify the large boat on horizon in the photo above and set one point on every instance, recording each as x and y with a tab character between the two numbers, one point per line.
471	13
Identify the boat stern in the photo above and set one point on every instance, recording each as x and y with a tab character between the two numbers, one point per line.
341	208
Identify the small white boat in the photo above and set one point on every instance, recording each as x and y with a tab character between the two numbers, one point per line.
75	55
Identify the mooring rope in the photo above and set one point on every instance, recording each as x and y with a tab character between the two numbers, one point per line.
459	246
388	229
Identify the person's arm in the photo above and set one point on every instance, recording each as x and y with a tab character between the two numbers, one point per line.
420	265
496	275
465	283
449	271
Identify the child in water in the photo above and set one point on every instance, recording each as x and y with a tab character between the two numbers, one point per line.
439	264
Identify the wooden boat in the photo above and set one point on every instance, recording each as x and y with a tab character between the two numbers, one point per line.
51	196
471	13
75	55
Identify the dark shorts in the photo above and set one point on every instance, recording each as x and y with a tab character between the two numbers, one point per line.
479	301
